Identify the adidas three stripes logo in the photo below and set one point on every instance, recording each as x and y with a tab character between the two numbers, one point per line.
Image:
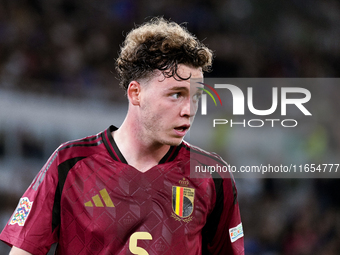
104	196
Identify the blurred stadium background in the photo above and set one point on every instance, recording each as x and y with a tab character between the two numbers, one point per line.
57	83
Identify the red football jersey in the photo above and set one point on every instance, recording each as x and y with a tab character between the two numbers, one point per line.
89	200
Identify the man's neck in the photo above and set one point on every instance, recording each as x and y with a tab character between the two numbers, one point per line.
138	153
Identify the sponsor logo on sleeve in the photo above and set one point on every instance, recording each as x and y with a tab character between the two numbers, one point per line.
21	212
236	233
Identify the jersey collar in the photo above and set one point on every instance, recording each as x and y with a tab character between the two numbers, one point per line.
116	154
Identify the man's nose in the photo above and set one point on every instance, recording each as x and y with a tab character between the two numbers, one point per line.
189	108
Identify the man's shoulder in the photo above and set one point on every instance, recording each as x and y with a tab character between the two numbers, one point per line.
198	154
206	164
80	148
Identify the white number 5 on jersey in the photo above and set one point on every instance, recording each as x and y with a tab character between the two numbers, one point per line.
133	242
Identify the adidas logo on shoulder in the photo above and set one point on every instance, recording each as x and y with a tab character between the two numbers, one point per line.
99	198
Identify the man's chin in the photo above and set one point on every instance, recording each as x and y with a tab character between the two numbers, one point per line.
174	142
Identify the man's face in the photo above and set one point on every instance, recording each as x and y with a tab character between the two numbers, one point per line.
168	106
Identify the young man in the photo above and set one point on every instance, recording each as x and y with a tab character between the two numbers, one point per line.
129	190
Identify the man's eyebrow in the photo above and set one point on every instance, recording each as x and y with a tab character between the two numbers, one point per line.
178	88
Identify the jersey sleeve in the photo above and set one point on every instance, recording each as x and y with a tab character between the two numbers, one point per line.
31	227
223	232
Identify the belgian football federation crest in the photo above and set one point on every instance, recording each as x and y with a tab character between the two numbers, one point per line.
21	212
183	201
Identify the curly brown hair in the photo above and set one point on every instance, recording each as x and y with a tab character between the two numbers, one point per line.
160	45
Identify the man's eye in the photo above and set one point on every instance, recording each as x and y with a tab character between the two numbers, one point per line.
175	95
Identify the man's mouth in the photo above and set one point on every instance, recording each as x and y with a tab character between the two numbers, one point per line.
183	128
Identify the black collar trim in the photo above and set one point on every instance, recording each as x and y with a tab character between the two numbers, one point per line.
116	154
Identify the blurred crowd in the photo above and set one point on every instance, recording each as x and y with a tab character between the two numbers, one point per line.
67	48
293	217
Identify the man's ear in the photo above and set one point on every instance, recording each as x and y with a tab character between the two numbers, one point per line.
133	92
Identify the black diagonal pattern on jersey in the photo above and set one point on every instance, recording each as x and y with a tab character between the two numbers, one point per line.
116	149
63	170
210	228
173	155
109	142
216	175
172	152
81	143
